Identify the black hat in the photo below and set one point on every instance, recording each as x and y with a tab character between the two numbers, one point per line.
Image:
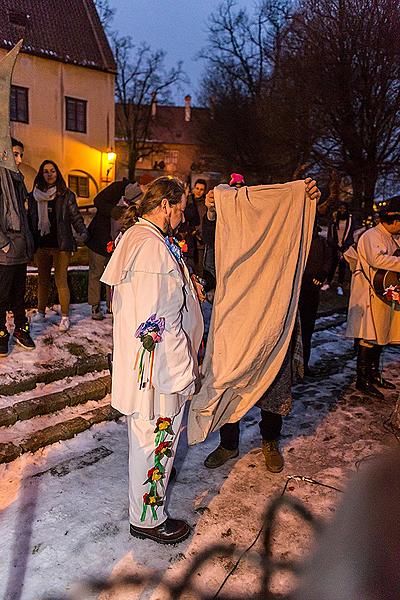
389	206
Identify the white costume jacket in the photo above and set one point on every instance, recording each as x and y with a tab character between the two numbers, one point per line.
369	317
148	280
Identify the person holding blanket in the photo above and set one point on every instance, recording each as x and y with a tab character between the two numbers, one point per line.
158	328
263	236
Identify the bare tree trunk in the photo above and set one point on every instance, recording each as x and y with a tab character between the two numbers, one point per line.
364	185
132	160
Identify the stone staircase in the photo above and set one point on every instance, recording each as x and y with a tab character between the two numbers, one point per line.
57	390
57	410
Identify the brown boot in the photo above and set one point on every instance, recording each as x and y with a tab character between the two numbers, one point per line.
273	457
219	456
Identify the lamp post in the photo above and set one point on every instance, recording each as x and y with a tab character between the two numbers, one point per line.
108	164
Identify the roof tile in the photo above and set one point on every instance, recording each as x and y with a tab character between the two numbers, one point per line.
69	32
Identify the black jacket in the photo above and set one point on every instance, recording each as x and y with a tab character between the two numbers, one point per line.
188	228
348	239
319	262
21	242
99	229
68	216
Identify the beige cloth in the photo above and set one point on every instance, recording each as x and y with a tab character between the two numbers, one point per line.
369	318
263	236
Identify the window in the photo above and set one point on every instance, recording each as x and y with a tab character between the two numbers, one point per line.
171	157
19	104
75	111
79	184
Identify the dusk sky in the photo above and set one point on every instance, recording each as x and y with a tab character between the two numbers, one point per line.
177	26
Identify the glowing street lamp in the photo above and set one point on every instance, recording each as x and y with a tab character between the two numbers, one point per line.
108	161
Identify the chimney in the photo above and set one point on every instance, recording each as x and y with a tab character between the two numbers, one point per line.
153	105
188	109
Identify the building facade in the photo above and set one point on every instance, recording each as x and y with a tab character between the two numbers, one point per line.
174	141
62	96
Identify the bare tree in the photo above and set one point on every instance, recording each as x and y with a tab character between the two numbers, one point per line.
141	80
259	124
352	50
105	12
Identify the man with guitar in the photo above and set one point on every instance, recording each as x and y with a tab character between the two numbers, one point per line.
373	318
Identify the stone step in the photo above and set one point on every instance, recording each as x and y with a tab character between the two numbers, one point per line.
46	403
37	432
81	366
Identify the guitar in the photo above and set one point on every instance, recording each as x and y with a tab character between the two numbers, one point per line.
384	278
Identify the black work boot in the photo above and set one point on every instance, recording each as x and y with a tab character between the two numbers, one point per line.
365	357
4	339
23	338
376	376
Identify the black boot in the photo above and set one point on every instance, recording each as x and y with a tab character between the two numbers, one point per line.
364	383
376	376
4	339
23	338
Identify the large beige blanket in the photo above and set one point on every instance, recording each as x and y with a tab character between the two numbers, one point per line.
263	236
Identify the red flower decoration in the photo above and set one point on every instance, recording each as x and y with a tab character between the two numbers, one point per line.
152	500
154	474
163	448
163	423
110	246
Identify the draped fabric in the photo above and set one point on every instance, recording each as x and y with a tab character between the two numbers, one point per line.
263	236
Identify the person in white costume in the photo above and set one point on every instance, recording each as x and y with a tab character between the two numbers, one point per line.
372	320
158	327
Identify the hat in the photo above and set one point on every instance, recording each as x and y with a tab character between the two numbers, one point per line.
236	179
133	192
389	206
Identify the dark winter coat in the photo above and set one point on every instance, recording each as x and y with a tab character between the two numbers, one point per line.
348	239
21	242
68	216
319	261
188	228
99	229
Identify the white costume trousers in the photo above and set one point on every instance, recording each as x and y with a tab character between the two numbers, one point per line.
142	458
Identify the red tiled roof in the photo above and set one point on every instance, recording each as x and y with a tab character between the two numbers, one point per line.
65	30
169	125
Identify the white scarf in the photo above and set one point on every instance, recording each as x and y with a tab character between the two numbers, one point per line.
42	199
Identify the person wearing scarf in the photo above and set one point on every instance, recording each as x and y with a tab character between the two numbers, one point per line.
53	213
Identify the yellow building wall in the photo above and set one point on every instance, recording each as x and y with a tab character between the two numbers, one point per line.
45	136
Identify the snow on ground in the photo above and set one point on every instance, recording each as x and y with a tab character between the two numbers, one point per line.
64	509
56	349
